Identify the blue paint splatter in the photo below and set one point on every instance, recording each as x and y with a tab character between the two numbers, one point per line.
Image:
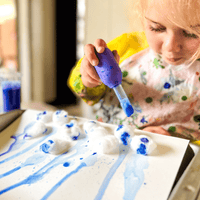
66	164
70	125
144	140
75	137
142	149
134	175
124	138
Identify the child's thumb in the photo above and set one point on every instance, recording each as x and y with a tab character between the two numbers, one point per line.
116	55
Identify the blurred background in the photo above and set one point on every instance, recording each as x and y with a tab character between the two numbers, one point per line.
43	40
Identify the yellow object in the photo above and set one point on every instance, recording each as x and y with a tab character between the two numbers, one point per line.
126	45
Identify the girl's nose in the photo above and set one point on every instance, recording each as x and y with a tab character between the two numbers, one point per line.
172	43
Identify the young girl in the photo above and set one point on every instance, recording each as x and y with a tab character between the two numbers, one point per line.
161	71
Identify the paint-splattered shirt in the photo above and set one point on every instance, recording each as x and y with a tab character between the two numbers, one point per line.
161	95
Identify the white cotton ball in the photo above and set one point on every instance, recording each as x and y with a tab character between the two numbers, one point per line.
97	133
89	125
106	145
60	117
44	116
70	130
143	145
36	130
124	133
55	146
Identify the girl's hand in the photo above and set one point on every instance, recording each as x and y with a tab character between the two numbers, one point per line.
89	75
157	129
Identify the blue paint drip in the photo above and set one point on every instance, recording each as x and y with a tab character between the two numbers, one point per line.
111	173
54	130
33	160
124	138
11	146
142	150
53	189
37	176
134	175
18	143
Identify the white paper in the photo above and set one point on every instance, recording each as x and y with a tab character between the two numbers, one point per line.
28	173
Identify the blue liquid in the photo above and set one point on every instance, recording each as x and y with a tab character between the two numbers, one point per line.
11	95
127	107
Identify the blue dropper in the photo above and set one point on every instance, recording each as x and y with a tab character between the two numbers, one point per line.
111	75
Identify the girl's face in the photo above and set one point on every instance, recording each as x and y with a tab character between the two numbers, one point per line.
176	45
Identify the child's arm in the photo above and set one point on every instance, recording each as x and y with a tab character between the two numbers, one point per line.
126	45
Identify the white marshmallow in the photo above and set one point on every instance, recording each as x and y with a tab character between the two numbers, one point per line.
36	130
60	117
44	116
89	125
124	133
143	145
55	146
106	145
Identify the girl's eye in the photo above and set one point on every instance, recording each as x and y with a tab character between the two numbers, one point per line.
190	35
159	29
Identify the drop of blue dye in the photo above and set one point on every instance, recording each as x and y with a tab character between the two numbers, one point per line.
119	127
142	150
144	140
124	138
51	141
81	158
69	125
45	148
94	153
167	85
127	107
66	164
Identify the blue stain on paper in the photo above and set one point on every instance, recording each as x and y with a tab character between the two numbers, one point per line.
53	131
123	153
61	159
33	160
134	175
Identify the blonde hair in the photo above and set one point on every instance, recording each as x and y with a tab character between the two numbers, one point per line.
183	13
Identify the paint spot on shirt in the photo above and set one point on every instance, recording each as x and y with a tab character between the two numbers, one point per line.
184	98
148	99
167	85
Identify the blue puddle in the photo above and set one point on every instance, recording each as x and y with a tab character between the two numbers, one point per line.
133	175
